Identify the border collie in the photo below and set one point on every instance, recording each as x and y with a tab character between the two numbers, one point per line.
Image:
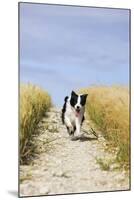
73	112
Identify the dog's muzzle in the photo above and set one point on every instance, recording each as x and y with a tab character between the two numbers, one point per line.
77	112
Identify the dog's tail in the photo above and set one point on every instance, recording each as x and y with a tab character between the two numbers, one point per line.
66	98
64	109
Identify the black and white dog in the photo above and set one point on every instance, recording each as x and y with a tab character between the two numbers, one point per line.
73	112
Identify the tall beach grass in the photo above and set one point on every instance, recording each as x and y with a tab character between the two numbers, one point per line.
34	102
108	107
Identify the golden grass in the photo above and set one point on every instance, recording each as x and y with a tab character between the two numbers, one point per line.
34	102
108	107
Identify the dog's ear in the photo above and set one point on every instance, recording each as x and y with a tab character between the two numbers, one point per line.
73	93
85	95
83	99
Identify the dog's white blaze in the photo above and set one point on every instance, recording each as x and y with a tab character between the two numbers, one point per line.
78	102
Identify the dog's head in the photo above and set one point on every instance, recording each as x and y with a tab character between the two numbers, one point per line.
78	101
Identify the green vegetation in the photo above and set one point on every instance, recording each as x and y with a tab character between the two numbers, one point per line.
104	165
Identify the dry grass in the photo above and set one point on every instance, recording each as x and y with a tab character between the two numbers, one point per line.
108	107
34	102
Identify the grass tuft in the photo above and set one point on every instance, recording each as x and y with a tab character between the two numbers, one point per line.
34	102
108	107
104	165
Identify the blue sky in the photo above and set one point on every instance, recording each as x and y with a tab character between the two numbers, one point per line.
64	48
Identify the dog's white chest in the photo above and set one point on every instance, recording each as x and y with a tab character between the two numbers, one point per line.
72	115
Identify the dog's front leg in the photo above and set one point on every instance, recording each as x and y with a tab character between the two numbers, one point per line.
69	126
78	126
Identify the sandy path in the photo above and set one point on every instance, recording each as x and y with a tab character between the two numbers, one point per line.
65	166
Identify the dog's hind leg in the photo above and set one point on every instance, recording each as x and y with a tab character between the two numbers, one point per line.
82	119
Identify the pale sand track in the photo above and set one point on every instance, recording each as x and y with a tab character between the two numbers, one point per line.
65	166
